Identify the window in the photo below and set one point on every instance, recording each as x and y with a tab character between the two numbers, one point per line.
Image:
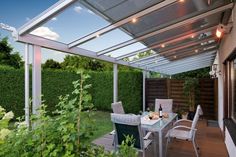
234	90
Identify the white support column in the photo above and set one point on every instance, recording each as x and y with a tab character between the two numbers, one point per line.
115	83
27	111
144	92
36	82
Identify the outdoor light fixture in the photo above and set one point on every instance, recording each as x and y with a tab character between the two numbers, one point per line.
134	20
162	45
218	33
214	71
222	29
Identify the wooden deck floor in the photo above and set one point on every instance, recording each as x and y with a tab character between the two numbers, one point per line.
209	139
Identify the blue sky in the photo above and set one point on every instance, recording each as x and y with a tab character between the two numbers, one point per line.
75	22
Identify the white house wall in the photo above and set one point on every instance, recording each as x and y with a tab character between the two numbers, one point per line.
227	45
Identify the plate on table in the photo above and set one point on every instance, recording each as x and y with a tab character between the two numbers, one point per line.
147	121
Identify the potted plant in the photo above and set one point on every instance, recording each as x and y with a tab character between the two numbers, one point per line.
191	91
182	114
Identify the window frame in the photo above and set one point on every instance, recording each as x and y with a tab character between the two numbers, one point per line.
233	90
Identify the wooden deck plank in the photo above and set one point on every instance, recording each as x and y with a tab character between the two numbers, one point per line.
209	139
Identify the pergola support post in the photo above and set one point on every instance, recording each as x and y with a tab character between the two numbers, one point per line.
27	110
144	91
115	82
36	82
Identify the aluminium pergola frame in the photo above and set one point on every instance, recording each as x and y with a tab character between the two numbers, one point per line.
184	63
174	39
166	27
184	54
61	5
22	35
174	48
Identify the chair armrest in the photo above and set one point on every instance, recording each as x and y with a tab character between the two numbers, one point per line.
183	127
182	120
112	132
147	135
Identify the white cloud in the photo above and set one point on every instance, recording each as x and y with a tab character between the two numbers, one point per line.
54	19
90	12
27	18
78	9
46	33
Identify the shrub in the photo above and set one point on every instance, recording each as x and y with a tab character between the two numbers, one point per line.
64	135
56	83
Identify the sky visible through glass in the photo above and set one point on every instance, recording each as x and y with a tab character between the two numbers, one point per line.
75	22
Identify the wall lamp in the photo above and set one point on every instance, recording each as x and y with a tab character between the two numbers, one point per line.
215	72
223	29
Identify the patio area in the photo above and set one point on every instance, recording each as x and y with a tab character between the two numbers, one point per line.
165	37
209	139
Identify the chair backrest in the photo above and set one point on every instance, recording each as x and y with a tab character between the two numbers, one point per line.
128	125
198	113
166	105
117	107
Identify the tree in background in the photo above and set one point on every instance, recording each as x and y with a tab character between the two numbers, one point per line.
70	62
7	56
51	64
199	73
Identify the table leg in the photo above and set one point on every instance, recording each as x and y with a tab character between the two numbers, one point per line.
155	144
160	143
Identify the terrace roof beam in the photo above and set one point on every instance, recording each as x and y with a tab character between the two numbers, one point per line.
120	23
172	40
190	68
189	59
175	48
164	28
163	60
58	46
45	16
183	68
187	63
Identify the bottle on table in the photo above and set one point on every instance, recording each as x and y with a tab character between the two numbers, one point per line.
160	112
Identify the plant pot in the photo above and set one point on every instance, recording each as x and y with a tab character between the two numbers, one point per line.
184	115
191	115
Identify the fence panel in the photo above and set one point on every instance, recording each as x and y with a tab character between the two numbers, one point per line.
171	88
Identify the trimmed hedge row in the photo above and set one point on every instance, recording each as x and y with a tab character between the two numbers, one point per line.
56	83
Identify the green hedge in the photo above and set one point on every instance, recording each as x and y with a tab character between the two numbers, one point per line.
129	90
12	90
56	83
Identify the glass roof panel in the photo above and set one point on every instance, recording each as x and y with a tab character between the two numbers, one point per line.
170	15
107	40
116	10
212	20
127	49
74	22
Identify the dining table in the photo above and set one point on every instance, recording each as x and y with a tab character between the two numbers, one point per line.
159	128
